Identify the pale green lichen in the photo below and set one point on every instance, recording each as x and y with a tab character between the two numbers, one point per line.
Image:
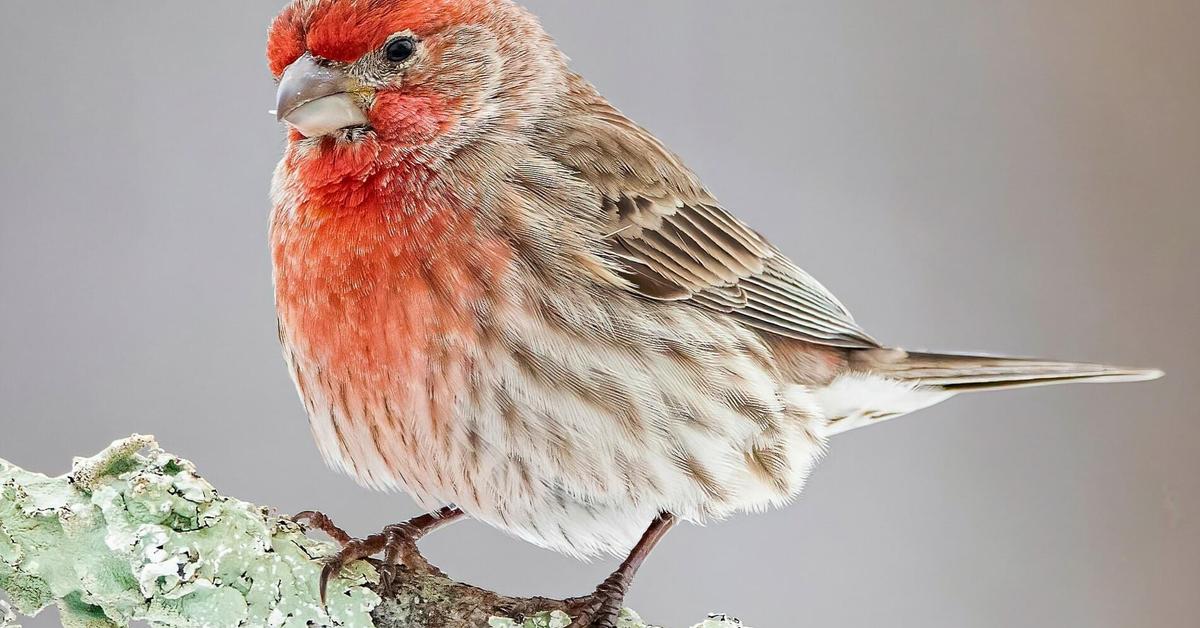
135	534
131	536
557	619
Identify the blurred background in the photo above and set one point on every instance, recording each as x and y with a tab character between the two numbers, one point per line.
1019	177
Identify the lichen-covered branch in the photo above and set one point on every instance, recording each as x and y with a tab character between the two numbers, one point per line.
135	534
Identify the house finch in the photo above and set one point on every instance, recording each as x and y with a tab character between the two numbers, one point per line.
496	291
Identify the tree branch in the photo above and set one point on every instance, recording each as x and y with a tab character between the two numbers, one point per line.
135	534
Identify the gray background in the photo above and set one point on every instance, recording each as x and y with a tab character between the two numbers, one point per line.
1020	177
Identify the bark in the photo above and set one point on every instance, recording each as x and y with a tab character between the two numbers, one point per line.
136	534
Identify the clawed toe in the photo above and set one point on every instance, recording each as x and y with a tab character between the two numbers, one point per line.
322	522
603	617
602	608
397	542
400	548
599	612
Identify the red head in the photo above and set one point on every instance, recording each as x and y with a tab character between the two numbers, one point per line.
405	73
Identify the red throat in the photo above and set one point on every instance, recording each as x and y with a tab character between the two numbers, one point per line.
375	274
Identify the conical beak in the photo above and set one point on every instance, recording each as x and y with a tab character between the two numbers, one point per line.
318	99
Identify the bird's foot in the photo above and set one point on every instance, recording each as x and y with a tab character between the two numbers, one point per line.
397	542
602	608
321	521
392	540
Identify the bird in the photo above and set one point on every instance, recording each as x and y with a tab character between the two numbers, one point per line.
499	294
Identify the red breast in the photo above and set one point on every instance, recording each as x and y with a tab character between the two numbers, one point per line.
375	274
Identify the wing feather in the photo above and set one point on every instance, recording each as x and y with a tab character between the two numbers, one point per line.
702	254
672	241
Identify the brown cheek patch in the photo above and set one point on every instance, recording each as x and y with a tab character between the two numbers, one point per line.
345	31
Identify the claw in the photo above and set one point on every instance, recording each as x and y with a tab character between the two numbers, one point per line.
326	574
354	550
399	542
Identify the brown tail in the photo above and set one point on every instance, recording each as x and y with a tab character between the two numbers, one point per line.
965	373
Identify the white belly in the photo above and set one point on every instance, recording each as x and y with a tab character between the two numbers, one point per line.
576	441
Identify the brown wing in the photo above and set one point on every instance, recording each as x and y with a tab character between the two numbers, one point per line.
698	252
676	243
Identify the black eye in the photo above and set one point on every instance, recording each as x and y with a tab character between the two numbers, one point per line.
400	49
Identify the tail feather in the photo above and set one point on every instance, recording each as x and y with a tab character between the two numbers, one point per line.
964	373
885	383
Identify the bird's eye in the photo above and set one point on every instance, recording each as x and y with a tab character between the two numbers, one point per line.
400	49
